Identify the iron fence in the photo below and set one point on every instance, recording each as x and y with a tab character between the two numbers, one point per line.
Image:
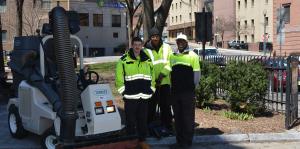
276	68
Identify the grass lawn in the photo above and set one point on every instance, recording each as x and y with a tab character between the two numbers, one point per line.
104	68
106	72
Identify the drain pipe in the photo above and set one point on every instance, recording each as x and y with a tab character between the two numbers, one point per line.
68	90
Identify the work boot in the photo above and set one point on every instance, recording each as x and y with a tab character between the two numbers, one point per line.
144	145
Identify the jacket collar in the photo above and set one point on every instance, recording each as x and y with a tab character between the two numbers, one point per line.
143	55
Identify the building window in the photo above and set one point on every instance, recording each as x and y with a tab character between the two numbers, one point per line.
180	5
245	38
190	2
252	3
115	35
172	7
98	19
4	35
46	4
267	21
84	19
252	23
2	6
239	4
245	3
172	19
246	24
252	38
194	1
180	18
116	21
190	15
286	15
239	25
266	1
176	18
239	37
176	6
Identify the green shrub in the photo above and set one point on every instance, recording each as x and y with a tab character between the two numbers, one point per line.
238	116
206	91
246	86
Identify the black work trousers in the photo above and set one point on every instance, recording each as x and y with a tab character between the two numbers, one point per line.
161	97
184	113
136	117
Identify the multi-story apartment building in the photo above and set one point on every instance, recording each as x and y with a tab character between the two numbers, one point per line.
103	29
34	15
254	19
224	21
291	32
182	18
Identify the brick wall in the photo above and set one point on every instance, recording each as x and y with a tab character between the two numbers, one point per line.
292	29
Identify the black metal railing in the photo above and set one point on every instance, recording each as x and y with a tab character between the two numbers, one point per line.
276	68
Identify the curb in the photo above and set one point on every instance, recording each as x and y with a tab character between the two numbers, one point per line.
233	138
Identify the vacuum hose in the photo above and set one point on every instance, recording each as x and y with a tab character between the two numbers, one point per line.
67	75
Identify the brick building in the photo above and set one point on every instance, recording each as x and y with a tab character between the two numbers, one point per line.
291	32
34	15
224	21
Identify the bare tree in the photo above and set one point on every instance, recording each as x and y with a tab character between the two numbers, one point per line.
19	4
132	7
223	25
2	70
32	20
161	16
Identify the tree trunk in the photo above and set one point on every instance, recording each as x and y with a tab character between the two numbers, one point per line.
162	14
2	70
19	4
148	18
129	27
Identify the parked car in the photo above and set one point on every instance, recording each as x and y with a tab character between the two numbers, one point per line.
243	45
211	54
234	44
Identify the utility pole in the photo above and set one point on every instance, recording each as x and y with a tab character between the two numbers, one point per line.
265	24
205	33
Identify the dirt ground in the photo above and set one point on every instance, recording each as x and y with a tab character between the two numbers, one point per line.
213	122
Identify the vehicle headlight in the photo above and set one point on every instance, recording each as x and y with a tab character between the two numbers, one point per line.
99	110
110	109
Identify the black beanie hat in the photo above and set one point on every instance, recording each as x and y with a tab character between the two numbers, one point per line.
153	31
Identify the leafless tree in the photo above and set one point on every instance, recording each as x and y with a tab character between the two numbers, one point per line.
161	16
19	4
225	25
32	20
2	70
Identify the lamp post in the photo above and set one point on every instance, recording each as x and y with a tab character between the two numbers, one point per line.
265	24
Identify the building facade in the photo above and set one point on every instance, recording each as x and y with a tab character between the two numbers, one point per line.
102	29
291	27
224	21
182	18
254	20
34	16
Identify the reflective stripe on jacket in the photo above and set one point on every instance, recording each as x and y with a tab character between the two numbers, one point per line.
161	62
134	76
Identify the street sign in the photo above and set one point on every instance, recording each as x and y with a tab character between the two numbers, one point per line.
281	37
280	19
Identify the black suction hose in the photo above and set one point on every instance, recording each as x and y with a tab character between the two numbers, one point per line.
64	59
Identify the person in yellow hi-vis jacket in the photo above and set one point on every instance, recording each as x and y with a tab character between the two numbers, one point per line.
135	81
185	77
159	54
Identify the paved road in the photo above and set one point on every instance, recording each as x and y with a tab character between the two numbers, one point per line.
269	145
